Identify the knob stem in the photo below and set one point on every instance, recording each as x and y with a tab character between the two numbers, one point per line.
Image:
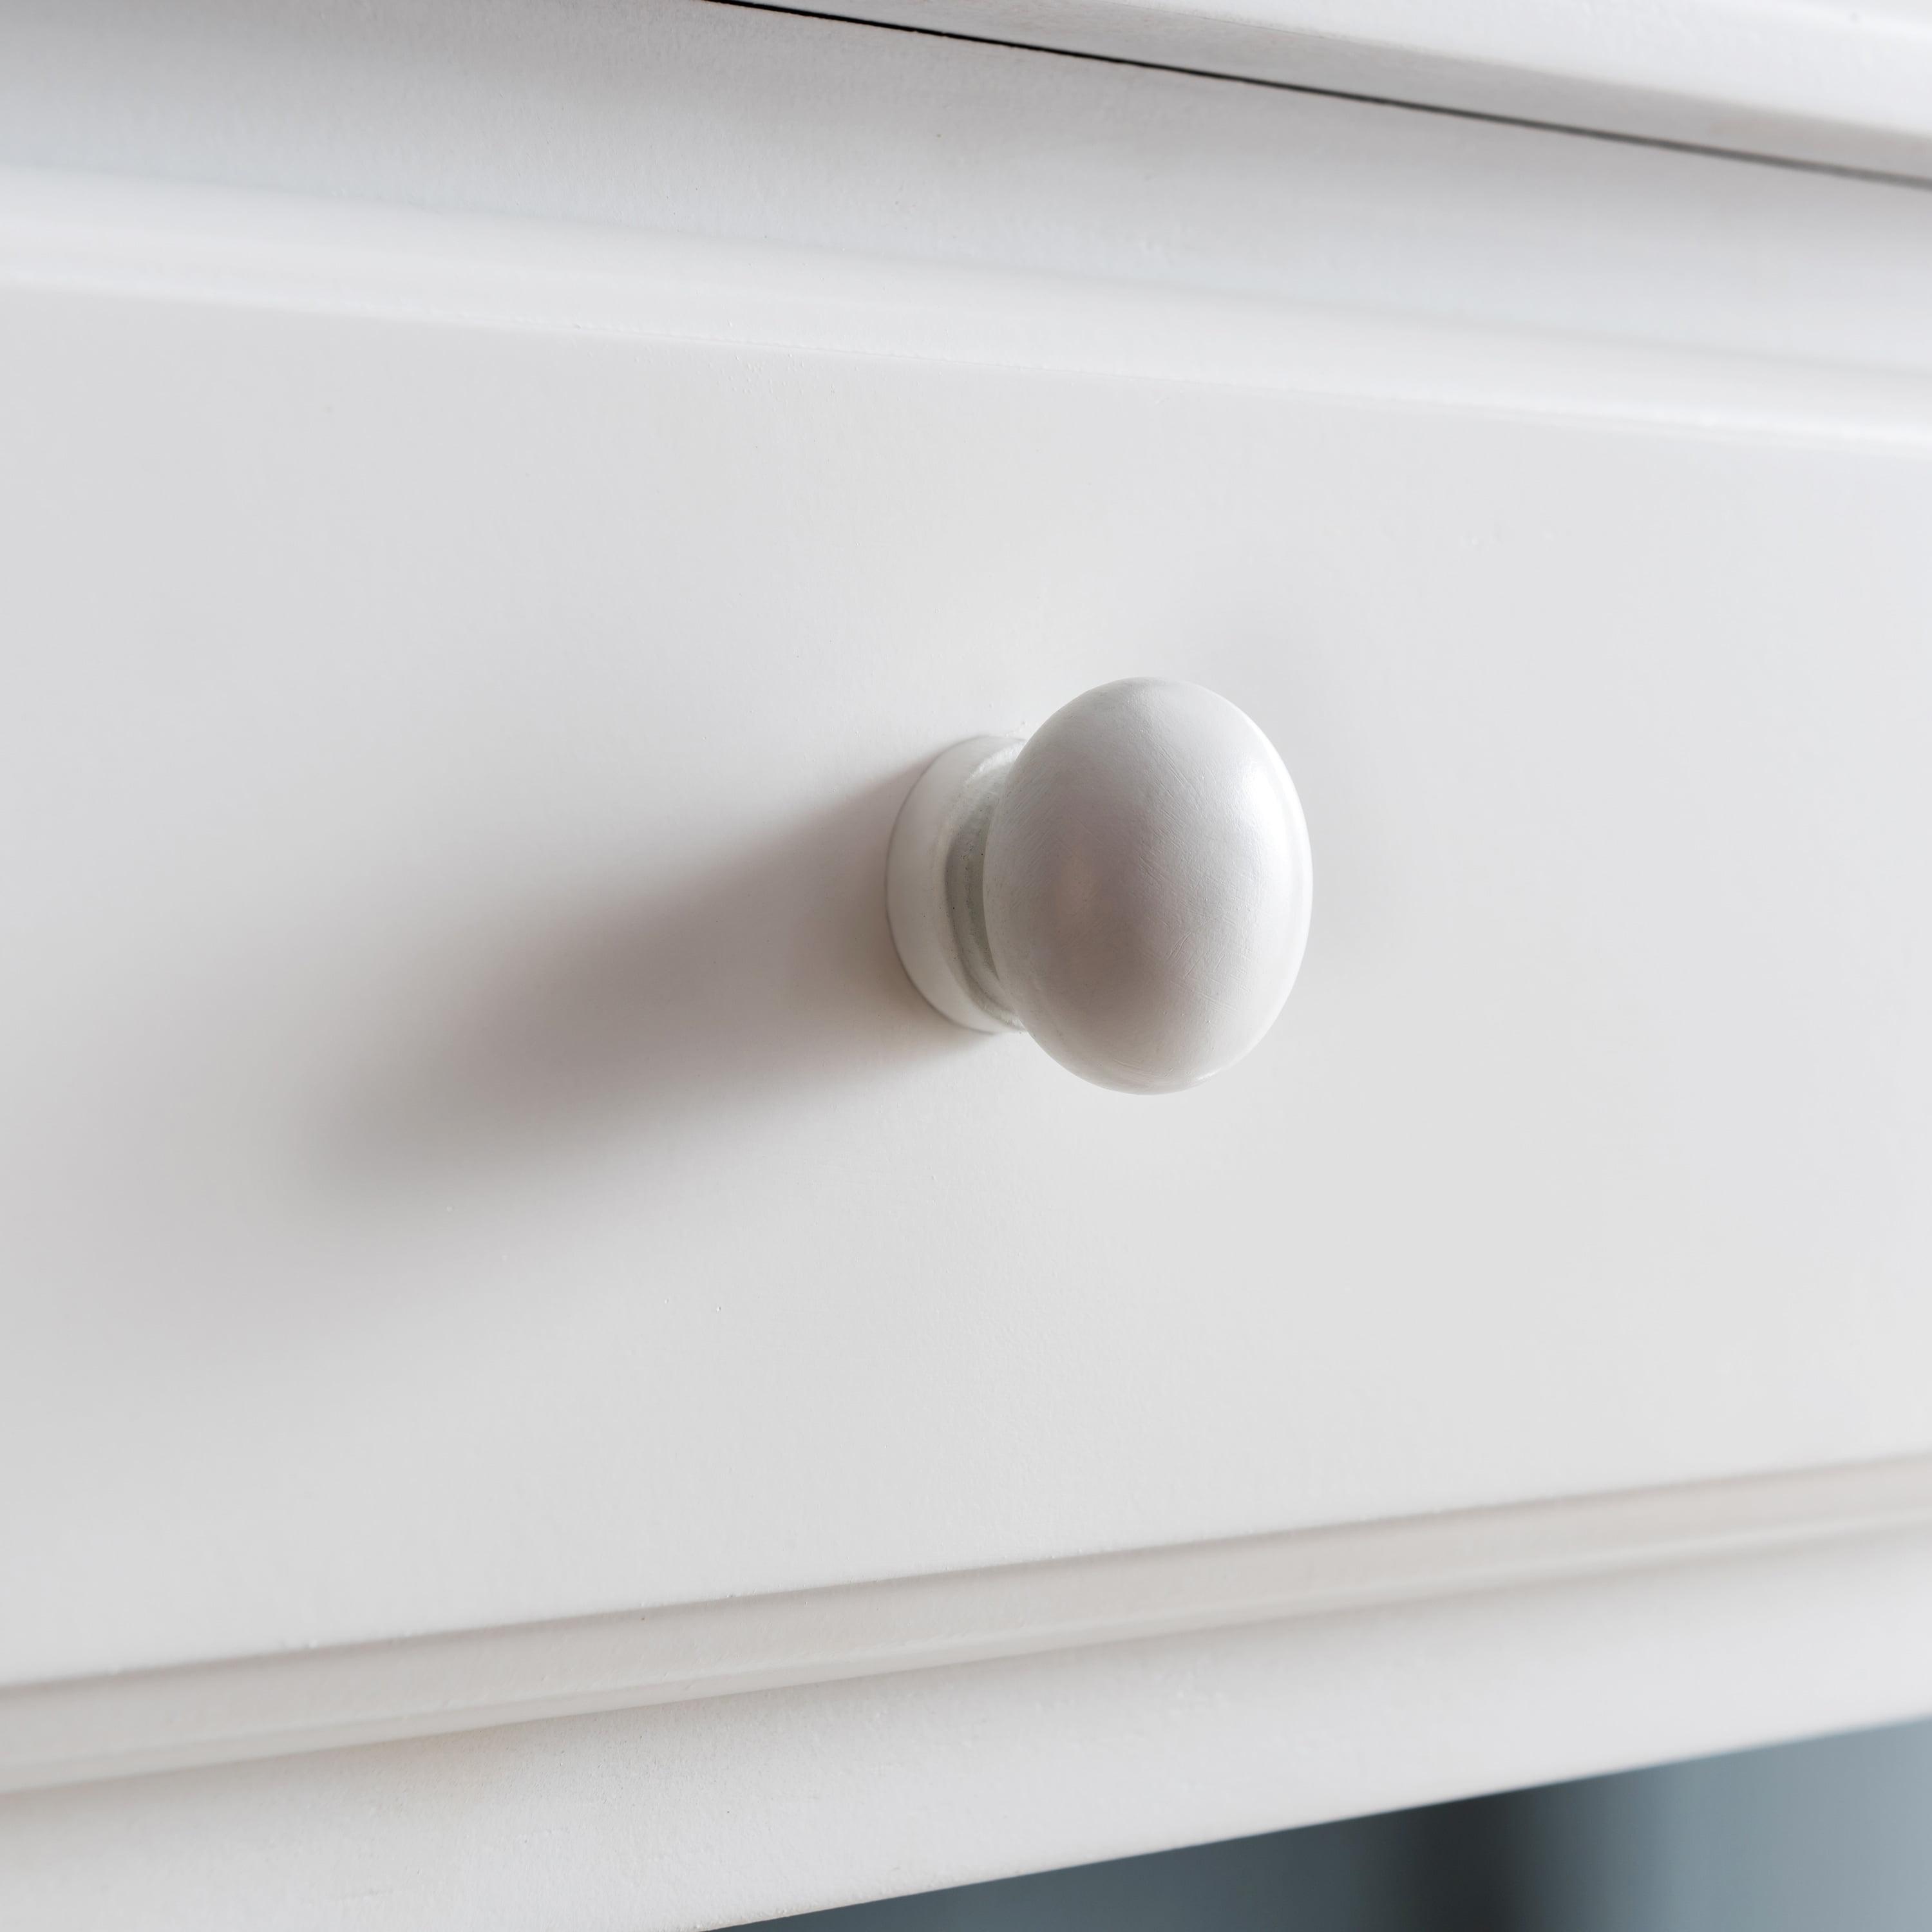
935	883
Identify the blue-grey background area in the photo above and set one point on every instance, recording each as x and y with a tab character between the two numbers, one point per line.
1834	1835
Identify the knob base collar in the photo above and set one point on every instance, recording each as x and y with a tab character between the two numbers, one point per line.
935	867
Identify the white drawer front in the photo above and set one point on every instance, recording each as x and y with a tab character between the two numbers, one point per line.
473	1156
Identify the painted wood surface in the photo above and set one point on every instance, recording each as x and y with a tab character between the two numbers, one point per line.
479	1187
477	1158
242	1709
722	1810
1806	80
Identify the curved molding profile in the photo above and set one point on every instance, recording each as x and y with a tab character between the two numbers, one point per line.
77	1730
1827	86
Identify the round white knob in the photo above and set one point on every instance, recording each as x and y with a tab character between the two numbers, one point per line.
1131	885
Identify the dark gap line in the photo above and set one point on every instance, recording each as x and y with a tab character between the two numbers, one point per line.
1746	156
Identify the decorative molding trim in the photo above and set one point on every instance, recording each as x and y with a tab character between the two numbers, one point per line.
77	1730
162	241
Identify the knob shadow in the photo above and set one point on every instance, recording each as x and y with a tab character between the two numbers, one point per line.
775	974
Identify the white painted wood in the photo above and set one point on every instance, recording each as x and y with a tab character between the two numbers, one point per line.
249	1708
687	119
1131	885
490	1231
419	1224
1694	352
1807	80
711	1813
